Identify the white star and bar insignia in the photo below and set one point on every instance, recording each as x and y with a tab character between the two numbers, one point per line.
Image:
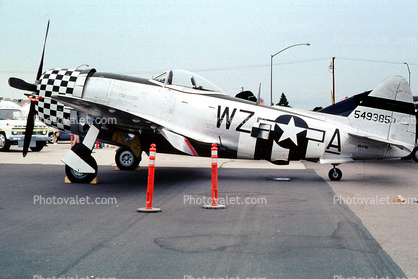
290	131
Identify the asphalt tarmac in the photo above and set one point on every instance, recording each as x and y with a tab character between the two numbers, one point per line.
272	227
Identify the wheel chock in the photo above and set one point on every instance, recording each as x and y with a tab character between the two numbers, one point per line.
137	168
94	181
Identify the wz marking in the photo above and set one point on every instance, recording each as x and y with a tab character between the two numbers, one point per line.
229	119
382	118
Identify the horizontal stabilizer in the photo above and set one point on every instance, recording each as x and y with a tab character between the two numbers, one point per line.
336	161
399	144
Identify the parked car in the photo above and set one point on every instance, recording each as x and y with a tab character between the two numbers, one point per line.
13	126
61	135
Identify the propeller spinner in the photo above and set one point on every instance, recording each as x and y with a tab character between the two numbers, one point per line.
23	85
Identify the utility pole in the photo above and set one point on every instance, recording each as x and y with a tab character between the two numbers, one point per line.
333	80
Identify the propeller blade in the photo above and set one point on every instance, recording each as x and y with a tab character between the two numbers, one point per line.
29	128
21	84
41	65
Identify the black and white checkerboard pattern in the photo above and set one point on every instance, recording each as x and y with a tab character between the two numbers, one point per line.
61	81
56	81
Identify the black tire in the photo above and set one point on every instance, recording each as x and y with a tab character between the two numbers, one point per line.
335	174
78	177
4	142
125	159
415	155
51	137
38	147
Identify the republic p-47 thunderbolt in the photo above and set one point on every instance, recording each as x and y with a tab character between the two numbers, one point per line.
183	113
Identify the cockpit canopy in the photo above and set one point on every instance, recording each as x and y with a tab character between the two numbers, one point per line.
180	79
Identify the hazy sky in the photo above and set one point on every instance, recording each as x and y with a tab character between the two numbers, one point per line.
227	42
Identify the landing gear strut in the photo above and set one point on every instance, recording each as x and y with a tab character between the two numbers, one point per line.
335	173
80	166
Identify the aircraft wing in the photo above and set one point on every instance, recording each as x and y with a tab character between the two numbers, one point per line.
178	139
124	119
399	144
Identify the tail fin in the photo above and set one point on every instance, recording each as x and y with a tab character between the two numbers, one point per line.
388	114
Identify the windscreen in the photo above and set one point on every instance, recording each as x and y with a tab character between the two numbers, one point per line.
11	114
187	79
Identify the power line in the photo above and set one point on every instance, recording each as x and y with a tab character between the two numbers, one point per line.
374	61
282	63
250	66
257	66
235	67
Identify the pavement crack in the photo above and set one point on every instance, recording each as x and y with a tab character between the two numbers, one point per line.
226	162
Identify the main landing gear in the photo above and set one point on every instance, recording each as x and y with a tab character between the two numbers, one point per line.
125	159
335	173
80	166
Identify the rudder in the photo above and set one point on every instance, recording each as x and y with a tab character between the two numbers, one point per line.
388	112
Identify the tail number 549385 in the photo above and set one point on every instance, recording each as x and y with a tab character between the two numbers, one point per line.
382	118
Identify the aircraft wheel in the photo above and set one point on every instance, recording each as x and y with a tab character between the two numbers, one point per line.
335	174
125	159
4	142
78	177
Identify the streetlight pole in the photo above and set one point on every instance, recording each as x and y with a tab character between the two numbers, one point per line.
271	68
409	72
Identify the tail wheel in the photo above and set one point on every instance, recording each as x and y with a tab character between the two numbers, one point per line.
335	174
125	159
4	142
78	177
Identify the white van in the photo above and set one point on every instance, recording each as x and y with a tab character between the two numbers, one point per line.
13	125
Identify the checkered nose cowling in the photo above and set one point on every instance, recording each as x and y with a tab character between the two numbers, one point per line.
59	82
